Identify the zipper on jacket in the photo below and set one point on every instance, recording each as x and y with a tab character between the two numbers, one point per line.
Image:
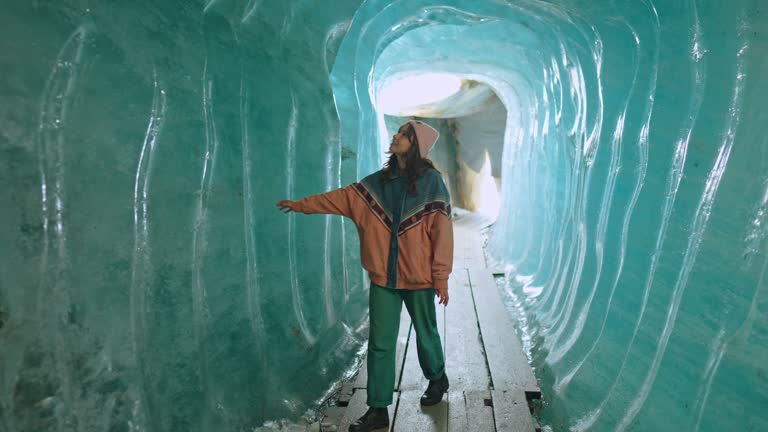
394	250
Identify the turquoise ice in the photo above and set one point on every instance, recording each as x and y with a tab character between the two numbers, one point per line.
148	283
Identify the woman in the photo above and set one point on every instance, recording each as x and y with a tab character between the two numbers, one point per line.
403	216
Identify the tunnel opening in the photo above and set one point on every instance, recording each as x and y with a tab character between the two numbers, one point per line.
471	120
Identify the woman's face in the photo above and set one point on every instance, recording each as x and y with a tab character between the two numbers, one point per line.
400	143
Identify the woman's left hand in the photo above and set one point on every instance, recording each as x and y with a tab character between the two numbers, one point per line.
442	294
287	206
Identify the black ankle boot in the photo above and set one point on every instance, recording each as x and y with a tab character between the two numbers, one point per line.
435	390
374	418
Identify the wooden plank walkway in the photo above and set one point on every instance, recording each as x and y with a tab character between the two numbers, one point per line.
491	380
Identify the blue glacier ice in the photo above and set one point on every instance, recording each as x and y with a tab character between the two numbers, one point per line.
148	283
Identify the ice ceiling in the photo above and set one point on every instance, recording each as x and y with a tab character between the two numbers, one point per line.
149	283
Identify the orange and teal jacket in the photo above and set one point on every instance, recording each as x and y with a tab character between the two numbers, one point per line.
406	240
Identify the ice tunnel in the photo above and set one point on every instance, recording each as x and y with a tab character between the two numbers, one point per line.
148	282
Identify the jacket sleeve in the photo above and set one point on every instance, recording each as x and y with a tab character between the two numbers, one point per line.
338	202
442	249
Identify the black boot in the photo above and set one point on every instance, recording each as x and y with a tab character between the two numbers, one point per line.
435	390
374	418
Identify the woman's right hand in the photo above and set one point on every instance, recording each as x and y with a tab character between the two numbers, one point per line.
287	206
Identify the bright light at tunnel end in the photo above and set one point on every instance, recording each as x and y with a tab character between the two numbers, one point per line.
416	90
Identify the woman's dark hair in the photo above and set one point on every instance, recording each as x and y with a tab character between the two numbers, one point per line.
415	165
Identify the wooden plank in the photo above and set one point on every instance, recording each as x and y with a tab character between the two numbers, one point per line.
345	394
361	381
536	424
468	246
412	417
467	411
331	417
465	361
474	263
510	410
509	366
357	407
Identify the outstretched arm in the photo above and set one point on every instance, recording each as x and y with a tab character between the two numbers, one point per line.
338	202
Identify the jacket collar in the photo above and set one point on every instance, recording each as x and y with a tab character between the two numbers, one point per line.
394	175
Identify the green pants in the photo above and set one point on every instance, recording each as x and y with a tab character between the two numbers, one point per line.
385	305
